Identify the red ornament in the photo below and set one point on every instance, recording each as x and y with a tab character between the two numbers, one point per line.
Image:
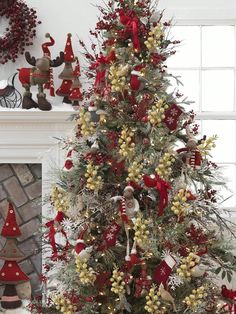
172	115
231	296
111	233
135	83
164	269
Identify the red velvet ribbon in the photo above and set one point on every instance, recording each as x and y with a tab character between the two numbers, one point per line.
229	294
133	23
162	187
52	232
102	60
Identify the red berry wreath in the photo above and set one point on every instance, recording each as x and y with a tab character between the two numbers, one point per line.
21	30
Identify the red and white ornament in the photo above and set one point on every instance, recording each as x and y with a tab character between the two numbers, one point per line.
164	269
111	233
172	115
81	249
68	166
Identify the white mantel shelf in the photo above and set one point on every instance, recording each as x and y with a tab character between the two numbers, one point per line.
31	136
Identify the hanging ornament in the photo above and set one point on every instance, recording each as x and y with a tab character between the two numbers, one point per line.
231	296
154	181
154	38
86	125
55	227
157	112
59	199
196	298
153	302
93	180
69	165
164	168
110	234
135	77
81	249
86	274
187	266
141	231
135	171
172	115
163	271
192	156
126	143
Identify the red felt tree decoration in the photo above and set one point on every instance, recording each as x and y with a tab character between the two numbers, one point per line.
11	273
67	74
76	94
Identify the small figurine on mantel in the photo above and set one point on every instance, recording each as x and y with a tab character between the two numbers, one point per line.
67	73
41	75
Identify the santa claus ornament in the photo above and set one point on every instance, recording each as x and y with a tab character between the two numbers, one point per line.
11	274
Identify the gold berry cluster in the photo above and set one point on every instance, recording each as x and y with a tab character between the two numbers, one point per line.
196	298
164	167
59	199
179	204
64	305
207	145
118	282
118	76
153	303
135	171
187	264
154	38
86	125
141	231
94	181
86	274
157	113
126	143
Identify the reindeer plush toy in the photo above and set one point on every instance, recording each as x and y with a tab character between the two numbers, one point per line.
40	75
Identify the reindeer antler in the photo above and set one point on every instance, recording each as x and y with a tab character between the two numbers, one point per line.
29	59
58	61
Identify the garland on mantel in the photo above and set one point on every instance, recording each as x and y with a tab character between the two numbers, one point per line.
21	29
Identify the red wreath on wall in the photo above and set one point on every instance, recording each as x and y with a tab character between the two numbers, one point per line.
21	29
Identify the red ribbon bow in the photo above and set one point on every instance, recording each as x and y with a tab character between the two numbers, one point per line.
231	295
133	24
162	187
52	232
101	61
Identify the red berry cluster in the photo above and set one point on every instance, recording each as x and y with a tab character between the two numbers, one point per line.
21	30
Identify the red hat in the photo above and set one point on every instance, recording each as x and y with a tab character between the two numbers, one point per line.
47	53
11	228
69	162
11	273
80	246
45	46
68	52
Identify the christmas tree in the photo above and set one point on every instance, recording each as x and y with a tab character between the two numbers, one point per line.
76	94
11	274
137	199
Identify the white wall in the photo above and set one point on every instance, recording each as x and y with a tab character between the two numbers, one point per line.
78	16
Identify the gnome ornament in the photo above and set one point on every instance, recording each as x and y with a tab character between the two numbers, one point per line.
164	269
11	273
67	74
69	165
81	249
192	156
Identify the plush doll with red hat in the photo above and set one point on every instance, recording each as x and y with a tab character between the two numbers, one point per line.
11	273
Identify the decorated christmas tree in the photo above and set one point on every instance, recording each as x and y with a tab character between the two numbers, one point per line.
11	274
76	95
67	74
136	203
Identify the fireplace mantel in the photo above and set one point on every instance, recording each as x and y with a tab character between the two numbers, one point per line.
31	136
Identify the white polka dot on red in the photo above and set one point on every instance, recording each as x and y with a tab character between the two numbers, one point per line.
17	274
3	274
9	265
